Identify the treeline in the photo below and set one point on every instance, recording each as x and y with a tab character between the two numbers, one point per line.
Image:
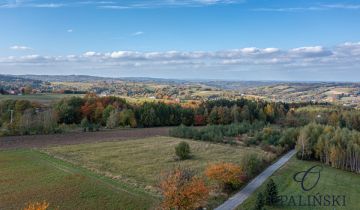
270	138
334	116
216	133
333	146
21	117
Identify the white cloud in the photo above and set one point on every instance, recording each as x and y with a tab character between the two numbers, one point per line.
311	51
134	4
47	5
321	7
138	33
343	56
19	47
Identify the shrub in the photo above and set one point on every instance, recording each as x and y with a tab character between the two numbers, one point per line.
228	175
85	124
37	206
181	190
182	150
252	163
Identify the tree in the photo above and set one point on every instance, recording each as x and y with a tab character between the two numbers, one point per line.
269	112
252	163
148	116
127	118
37	206
85	124
213	117
271	193
260	201
106	113
183	191
182	150
228	175
235	114
113	120
69	110
187	117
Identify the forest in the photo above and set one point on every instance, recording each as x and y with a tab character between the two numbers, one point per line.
320	132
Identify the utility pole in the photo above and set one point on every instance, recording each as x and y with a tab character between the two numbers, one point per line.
11	116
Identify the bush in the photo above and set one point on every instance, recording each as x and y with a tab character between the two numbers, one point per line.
182	190
253	164
228	175
37	206
182	150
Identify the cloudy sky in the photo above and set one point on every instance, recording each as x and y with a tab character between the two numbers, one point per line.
188	39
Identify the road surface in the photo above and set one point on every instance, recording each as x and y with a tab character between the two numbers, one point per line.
241	196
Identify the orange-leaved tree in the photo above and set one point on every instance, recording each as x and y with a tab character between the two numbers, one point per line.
37	206
183	191
228	175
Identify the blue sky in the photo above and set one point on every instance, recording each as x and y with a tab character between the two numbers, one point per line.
210	39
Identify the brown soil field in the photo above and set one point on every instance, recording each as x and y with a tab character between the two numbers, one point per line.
38	141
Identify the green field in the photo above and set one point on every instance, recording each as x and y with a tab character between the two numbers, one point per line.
28	175
141	162
40	98
108	175
332	181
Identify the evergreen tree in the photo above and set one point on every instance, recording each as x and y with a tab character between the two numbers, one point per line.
260	201
271	193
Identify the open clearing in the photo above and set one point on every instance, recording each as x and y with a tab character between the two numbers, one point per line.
28	175
141	162
332	181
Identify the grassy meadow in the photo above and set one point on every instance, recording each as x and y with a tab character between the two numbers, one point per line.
141	162
332	181
32	176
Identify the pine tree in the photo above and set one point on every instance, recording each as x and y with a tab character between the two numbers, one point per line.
271	193
260	202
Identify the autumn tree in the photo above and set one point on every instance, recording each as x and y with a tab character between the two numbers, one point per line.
183	191
228	175
37	206
113	120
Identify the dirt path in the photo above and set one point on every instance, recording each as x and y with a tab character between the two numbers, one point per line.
241	196
38	141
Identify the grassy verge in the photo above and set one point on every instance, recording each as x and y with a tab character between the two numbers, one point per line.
28	175
332	181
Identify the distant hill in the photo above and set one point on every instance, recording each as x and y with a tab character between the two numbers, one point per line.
11	78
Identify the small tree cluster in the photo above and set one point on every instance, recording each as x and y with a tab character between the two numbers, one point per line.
182	190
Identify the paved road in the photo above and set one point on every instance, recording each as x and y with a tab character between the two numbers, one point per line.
241	196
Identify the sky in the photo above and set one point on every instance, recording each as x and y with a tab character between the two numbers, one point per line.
298	40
